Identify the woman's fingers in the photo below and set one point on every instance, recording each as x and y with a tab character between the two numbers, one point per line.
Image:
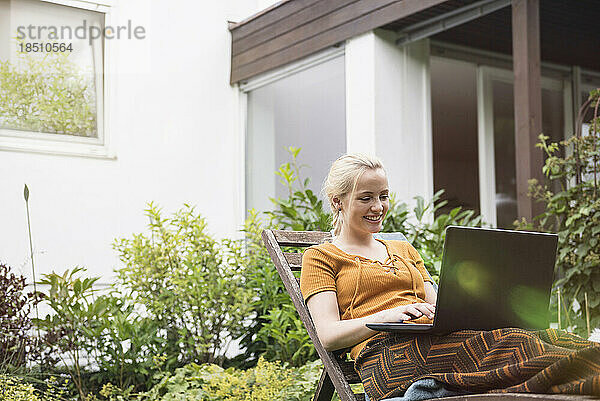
408	312
427	309
404	317
412	310
420	309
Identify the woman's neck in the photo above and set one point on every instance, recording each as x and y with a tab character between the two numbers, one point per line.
354	239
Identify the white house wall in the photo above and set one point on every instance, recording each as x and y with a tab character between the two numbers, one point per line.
388	109
174	124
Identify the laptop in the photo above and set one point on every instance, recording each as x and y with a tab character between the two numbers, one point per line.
490	278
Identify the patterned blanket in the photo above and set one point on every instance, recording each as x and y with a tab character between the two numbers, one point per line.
502	360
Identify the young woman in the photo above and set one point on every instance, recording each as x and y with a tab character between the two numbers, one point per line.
357	279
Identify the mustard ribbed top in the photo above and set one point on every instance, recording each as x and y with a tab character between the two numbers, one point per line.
364	286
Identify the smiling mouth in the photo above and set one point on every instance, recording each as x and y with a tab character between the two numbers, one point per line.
373	219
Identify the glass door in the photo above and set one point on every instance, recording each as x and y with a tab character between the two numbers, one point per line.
496	133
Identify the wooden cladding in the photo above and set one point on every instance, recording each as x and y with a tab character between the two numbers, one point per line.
297	28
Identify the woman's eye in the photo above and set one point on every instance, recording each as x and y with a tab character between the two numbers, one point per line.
365	199
384	197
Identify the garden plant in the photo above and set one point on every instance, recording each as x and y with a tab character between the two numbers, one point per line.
571	195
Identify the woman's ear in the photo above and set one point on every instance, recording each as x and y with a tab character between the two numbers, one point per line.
337	203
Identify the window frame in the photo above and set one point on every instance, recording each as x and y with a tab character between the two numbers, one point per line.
485	137
70	145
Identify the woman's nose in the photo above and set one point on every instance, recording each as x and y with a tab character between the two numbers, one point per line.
377	206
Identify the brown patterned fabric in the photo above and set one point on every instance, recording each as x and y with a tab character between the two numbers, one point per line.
502	360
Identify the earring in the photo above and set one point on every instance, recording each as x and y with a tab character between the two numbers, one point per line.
339	210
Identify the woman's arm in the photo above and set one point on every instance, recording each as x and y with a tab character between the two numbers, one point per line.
336	334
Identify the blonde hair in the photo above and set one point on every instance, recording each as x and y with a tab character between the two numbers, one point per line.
342	178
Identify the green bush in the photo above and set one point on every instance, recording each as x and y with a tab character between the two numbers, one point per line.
192	286
180	297
127	348
573	211
69	329
103	331
268	294
14	388
265	382
285	337
302	210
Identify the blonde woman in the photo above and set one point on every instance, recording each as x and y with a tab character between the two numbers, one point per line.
357	279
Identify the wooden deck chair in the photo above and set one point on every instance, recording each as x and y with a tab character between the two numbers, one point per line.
338	373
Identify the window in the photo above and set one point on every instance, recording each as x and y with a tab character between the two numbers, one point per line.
474	135
303	109
52	87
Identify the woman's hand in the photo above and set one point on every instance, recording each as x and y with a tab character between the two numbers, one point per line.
406	312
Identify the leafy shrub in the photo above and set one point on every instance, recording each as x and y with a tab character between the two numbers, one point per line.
71	331
269	294
102	332
188	283
14	388
573	211
16	344
276	332
127	347
181	297
302	210
266	381
285	337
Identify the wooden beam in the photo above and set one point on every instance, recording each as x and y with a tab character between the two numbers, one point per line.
279	36
528	101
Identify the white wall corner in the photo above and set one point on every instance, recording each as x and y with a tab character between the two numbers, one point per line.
360	93
388	109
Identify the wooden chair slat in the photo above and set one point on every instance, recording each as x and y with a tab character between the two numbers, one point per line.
349	372
273	241
325	389
294	260
300	238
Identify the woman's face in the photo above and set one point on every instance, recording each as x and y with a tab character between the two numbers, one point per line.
364	210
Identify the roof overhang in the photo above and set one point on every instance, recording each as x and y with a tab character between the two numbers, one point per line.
293	29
